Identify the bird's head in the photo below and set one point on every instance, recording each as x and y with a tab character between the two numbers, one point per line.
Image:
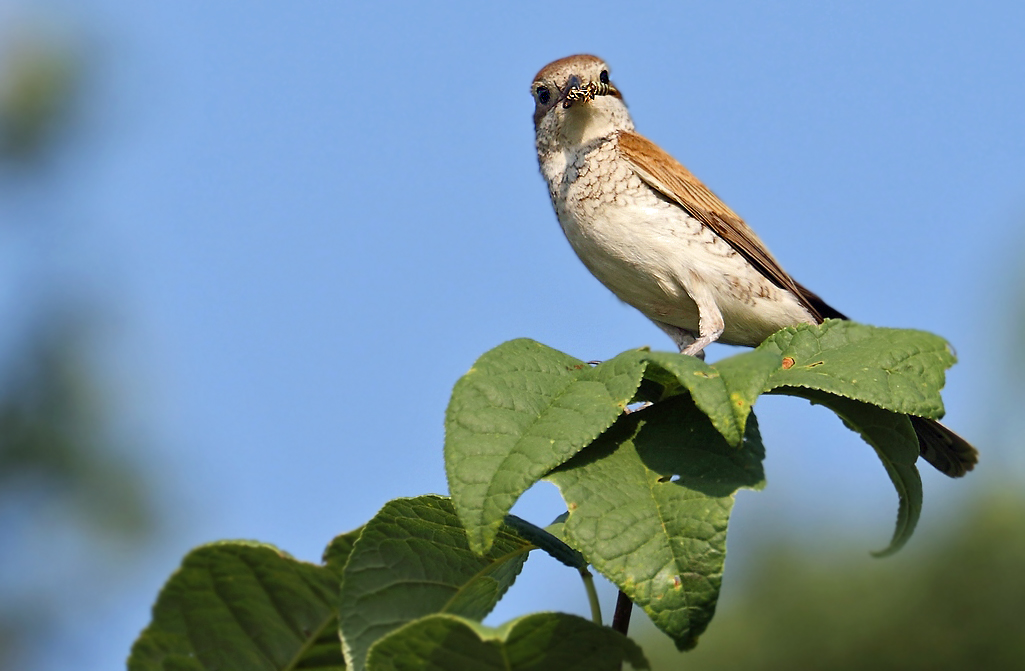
575	102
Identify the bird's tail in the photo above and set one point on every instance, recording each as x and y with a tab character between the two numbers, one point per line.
948	452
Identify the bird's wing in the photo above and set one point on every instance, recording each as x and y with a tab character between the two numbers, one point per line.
665	174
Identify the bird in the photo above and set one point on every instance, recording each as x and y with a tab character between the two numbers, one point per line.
662	242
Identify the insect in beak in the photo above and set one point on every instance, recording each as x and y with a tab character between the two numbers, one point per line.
577	92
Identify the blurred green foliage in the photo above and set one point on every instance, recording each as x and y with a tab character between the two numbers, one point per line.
63	481
52	436
953	602
38	82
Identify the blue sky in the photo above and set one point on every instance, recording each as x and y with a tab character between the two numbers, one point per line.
304	221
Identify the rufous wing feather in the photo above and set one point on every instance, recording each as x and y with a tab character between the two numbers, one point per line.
668	176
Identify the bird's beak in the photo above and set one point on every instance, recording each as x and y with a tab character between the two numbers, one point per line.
572	92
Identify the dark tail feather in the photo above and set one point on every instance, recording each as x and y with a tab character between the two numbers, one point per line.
948	452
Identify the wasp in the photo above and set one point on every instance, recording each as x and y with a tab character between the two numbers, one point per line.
586	92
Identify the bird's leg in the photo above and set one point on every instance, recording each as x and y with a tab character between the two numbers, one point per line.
706	338
682	338
697	348
710	321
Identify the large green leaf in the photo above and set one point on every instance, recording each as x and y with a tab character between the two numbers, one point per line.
237	605
413	559
538	642
872	378
897	369
522	410
649	503
724	391
894	440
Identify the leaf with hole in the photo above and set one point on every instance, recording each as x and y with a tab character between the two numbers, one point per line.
897	369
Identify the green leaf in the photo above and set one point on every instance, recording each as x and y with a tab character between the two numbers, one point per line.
649	503
724	391
538	642
894	440
522	410
412	559
745	376
897	369
238	605
338	550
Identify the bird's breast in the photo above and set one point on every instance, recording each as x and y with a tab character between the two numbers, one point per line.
635	242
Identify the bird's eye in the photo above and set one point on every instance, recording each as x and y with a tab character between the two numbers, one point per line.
604	77
543	95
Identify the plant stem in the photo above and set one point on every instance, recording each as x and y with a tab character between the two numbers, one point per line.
592	595
621	618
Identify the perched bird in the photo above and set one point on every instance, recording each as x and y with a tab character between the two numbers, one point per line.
652	233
